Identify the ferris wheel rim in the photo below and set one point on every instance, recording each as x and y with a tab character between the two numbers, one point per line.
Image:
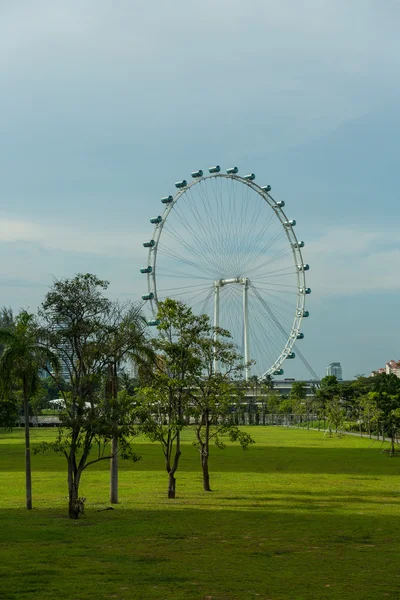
291	238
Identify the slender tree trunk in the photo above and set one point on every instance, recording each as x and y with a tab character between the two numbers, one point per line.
114	472
28	474
114	443
171	485
206	474
172	470
204	455
74	505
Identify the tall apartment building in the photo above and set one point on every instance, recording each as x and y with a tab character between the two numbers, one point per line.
393	366
335	369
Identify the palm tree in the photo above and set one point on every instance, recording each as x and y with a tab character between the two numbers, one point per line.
20	362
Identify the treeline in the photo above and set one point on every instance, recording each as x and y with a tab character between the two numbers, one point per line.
369	405
78	339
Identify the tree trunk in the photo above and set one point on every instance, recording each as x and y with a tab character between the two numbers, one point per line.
172	470
113	395
75	504
28	474
114	472
392	452
206	474
171	485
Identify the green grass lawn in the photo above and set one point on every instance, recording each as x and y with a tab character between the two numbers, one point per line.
299	516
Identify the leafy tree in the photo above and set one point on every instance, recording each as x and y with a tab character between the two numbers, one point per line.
184	384
127	383
369	411
7	321
213	393
89	332
298	395
336	415
20	362
9	411
166	399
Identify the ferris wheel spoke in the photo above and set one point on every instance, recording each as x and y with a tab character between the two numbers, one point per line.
265	333
196	238
192	250
278	273
185	287
259	254
165	251
265	344
176	239
262	267
187	293
167	273
252	227
271	313
216	253
205	226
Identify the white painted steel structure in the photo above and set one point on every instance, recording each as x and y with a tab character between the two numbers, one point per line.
217	234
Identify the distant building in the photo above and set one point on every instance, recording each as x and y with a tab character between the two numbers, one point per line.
392	367
377	372
335	369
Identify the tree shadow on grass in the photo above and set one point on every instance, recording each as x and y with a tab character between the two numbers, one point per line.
192	553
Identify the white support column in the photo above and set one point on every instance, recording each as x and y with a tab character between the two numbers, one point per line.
216	320
246	326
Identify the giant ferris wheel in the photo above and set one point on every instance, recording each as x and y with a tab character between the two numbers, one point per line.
224	246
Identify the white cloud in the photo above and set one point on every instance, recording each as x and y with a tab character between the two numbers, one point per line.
70	238
349	261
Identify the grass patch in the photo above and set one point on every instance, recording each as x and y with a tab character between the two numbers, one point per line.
299	516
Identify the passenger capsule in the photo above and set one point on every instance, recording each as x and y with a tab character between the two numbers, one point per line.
156	220
306	313
149	244
280	203
181	184
153	322
303	267
305	290
298	245
300	336
290	223
250	177
278	372
266	188
215	169
232	171
167	200
148	296
147	269
291	355
197	174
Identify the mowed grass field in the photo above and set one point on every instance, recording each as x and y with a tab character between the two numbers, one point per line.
299	516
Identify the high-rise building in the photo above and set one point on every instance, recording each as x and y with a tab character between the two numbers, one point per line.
393	367
335	369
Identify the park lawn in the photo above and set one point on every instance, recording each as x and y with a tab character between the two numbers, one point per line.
299	516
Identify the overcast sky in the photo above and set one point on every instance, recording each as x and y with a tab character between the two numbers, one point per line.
105	104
